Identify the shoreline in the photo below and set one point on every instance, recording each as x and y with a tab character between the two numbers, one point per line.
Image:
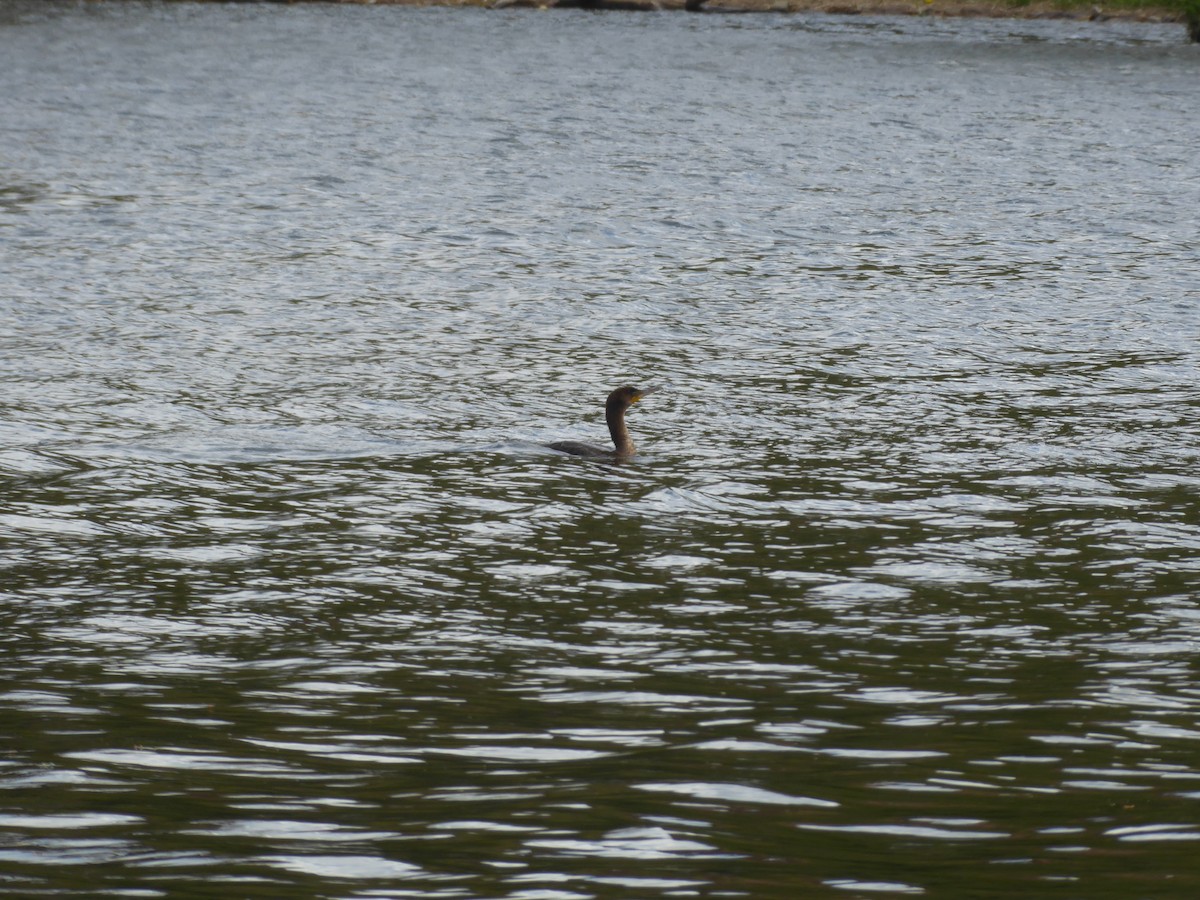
996	9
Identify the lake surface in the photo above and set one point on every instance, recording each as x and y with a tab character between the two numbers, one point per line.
901	596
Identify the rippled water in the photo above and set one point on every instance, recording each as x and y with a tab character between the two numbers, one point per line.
900	598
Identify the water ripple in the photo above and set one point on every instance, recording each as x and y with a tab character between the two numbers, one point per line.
899	596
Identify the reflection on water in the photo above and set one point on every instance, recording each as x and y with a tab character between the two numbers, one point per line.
898	598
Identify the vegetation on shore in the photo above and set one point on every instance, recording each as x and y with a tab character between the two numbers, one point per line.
1186	11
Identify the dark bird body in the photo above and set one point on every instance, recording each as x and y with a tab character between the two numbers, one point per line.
614	414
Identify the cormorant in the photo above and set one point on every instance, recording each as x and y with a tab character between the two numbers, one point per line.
614	414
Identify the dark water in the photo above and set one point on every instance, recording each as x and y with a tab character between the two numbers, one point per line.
901	597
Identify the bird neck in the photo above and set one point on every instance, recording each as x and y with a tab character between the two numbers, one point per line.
620	434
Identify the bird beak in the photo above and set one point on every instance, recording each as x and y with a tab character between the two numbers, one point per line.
645	392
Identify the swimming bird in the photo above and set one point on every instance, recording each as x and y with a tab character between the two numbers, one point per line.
614	414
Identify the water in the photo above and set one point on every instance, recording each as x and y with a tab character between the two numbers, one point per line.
900	597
